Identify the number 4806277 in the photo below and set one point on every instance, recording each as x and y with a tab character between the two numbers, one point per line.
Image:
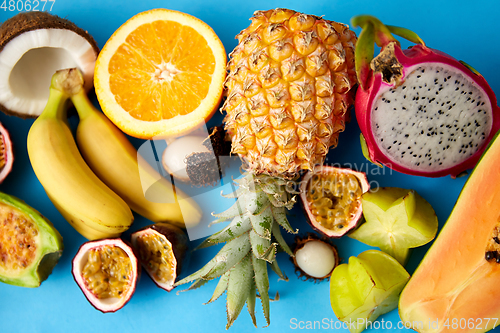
27	5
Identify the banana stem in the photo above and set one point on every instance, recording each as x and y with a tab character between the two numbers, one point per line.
56	105
83	105
69	81
63	85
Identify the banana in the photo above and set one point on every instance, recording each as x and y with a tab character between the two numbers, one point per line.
91	207
116	162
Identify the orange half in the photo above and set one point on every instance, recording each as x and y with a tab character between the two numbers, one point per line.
160	74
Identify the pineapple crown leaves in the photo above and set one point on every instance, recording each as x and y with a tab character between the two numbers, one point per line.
238	289
373	30
230	254
221	287
252	240
254	210
242	282
197	284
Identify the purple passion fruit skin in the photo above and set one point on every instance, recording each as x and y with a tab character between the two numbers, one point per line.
6	153
331	199
30	246
161	249
107	272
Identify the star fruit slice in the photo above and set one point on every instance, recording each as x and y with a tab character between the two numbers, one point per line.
365	288
396	221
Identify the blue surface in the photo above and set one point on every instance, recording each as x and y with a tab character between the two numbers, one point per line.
466	30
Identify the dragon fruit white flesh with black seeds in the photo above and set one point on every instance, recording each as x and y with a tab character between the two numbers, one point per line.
421	112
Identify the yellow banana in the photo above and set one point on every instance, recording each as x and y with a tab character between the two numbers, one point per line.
91	207
114	159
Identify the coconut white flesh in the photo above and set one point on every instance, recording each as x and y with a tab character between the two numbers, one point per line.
174	156
316	259
28	62
427	123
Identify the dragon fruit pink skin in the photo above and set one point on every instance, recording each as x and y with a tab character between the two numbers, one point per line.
439	133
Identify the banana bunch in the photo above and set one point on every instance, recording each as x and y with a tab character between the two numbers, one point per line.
96	198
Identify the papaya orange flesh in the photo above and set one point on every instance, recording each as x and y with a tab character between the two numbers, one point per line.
455	288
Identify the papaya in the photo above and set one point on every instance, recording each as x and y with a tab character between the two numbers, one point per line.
456	286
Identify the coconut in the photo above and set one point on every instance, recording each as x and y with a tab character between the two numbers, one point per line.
33	46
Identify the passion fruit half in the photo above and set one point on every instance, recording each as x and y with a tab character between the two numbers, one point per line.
6	153
162	249
331	198
30	246
106	271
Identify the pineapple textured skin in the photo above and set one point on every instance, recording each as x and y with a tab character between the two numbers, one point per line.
289	90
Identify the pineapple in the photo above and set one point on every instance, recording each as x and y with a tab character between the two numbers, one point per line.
289	88
288	92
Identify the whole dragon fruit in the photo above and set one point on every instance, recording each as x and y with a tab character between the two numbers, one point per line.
421	112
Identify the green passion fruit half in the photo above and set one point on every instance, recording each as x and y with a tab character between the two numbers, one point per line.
331	198
30	246
107	272
365	288
161	248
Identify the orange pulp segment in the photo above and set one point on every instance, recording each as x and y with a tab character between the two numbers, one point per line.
160	74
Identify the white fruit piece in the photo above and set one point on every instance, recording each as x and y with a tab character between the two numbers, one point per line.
316	258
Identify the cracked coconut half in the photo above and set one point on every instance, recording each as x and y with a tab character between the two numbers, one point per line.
33	46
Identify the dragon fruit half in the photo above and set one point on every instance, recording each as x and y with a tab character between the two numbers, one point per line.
421	112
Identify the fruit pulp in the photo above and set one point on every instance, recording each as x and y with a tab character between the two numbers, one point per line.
18	240
396	220
107	272
160	74
334	198
157	255
365	288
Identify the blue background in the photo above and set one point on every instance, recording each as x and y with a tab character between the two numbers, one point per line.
467	30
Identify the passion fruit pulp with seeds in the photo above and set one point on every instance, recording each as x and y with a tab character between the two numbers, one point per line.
331	198
314	258
6	153
161	248
30	246
107	272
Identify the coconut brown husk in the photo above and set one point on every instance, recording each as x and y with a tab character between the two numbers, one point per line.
29	21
